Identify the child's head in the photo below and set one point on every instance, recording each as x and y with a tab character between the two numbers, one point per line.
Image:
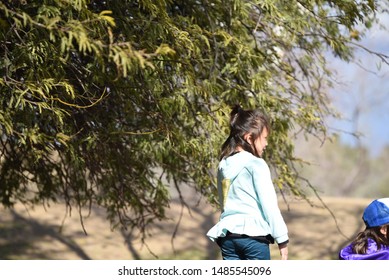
376	218
376	213
248	130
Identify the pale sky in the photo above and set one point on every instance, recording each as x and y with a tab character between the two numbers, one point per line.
366	90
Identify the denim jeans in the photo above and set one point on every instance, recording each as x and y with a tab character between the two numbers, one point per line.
243	248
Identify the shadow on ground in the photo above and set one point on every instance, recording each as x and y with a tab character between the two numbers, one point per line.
21	235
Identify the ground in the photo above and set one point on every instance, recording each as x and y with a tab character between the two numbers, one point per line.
316	233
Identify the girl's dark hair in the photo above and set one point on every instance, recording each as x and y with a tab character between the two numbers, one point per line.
360	243
241	123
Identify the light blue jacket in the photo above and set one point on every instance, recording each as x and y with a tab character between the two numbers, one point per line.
250	203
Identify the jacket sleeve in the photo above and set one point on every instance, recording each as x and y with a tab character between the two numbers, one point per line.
268	202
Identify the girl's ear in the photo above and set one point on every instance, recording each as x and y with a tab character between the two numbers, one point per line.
384	230
248	138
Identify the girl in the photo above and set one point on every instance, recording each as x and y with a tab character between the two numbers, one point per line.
250	218
373	242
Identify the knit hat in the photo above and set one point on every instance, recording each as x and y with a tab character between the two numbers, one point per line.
377	213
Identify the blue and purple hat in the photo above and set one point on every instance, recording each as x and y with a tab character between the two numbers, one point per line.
377	213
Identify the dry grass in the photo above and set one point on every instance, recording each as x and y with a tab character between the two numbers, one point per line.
46	233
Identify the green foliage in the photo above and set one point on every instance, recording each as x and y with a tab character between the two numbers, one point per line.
112	102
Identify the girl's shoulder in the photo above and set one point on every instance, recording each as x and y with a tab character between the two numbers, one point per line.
244	159
256	162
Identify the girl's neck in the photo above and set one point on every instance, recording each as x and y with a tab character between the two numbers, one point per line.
238	149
